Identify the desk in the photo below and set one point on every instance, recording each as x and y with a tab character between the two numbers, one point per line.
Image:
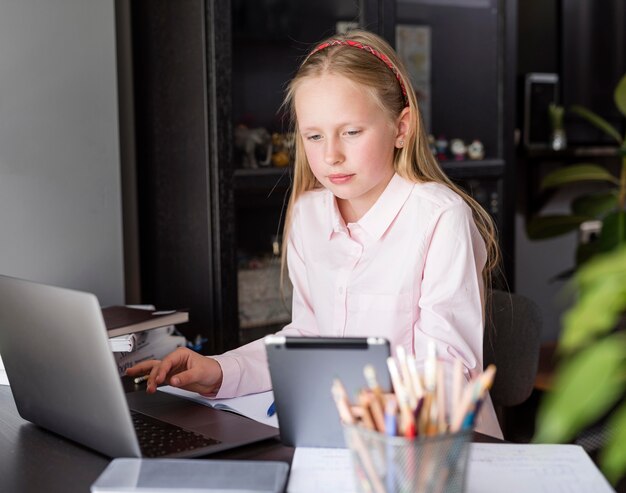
33	460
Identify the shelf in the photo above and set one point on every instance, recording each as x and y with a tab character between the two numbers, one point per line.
571	153
266	179
251	179
473	169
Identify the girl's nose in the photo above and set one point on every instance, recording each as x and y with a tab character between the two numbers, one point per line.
332	152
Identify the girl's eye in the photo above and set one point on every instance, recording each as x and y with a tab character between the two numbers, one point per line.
314	138
352	133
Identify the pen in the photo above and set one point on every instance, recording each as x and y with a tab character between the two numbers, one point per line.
391	426
341	400
406	377
271	410
406	415
365	401
141	379
457	386
377	403
476	390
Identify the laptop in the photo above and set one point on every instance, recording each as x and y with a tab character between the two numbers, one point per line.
302	371
54	345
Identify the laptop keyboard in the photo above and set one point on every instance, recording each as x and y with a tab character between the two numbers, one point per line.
158	438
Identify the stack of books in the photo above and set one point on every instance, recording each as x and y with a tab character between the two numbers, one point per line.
139	333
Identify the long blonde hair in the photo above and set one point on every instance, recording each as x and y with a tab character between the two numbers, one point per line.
414	161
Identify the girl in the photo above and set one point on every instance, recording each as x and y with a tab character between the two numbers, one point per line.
378	241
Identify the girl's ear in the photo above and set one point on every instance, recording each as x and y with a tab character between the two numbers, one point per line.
402	127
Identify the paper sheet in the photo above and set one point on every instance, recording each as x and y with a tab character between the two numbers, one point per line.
321	469
4	380
538	468
493	468
253	406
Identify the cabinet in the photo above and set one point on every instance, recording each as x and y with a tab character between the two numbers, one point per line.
203	67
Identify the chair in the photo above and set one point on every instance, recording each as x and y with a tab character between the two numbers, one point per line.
511	342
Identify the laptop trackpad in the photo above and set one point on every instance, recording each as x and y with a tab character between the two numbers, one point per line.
220	425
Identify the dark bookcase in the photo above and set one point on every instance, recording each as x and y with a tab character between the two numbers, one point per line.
200	68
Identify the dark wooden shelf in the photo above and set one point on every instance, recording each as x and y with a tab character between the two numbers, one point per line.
473	169
571	153
250	179
267	179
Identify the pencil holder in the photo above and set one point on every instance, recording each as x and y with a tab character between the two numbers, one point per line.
386	464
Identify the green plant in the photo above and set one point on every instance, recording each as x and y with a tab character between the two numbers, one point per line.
555	112
591	376
608	206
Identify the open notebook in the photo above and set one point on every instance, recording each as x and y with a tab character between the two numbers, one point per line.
253	406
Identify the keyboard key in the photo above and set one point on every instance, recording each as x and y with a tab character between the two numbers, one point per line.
158	438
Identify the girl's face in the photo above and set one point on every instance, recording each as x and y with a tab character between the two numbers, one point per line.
348	140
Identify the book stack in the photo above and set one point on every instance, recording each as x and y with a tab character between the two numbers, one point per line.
140	333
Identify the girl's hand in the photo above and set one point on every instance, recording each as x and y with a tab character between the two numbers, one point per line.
182	368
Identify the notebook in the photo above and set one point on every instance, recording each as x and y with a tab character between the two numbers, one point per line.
64	378
302	371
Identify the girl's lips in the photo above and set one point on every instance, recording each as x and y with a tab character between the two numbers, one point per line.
339	179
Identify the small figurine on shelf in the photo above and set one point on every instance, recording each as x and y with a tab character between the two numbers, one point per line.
441	145
280	148
458	149
476	150
251	143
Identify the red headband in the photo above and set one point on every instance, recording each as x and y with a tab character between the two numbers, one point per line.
355	44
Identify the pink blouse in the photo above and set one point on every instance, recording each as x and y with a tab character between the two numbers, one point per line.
408	270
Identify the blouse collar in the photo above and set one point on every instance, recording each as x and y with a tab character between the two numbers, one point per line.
380	216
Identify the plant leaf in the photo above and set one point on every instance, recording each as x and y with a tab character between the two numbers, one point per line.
574	174
620	95
597	121
613	231
595	205
609	264
596	313
585	387
549	226
613	456
601	300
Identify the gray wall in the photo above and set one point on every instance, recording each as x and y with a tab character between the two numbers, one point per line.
60	203
537	263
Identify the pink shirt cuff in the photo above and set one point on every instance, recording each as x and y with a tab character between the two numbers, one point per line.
231	374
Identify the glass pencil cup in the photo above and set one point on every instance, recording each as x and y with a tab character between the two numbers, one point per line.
391	464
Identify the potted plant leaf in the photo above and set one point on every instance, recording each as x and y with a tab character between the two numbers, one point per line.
590	379
607	206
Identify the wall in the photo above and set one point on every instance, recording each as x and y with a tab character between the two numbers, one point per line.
537	263
60	205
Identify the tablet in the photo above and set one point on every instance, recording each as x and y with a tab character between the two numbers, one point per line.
302	371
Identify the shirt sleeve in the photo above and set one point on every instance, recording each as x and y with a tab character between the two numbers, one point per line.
451	302
245	369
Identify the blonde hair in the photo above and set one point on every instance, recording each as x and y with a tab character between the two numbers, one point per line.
414	161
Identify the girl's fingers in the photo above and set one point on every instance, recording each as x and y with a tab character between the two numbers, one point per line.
142	368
